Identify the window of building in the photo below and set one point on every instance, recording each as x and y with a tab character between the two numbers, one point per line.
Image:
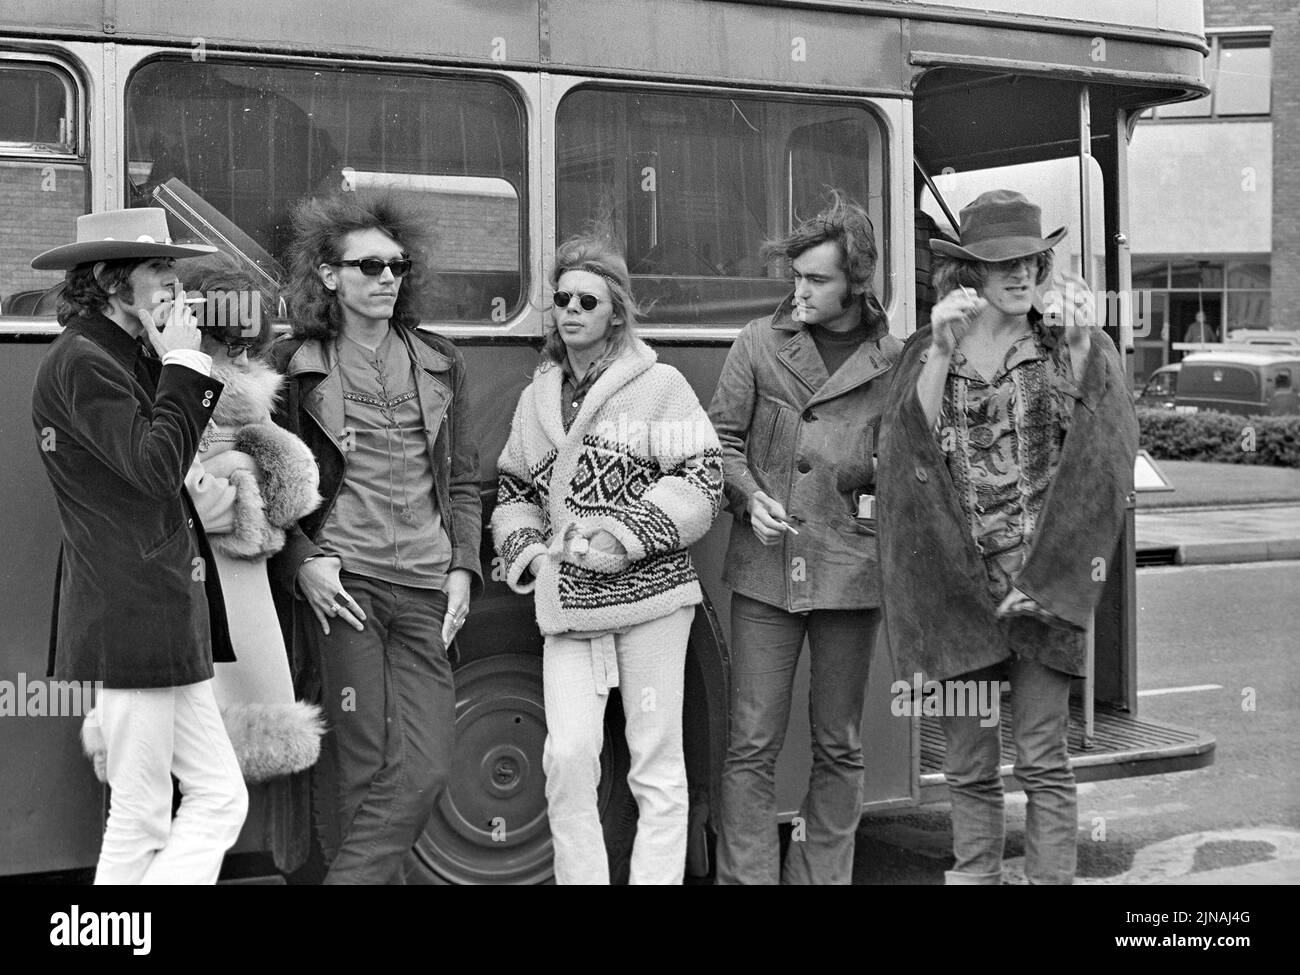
230	148
693	184
1239	70
1182	301
43	180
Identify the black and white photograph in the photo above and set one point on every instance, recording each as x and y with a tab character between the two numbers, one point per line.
673	442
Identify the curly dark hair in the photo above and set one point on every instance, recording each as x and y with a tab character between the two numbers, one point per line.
85	292
231	290
321	225
849	227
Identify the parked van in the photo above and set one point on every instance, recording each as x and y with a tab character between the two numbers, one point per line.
1249	383
1160	389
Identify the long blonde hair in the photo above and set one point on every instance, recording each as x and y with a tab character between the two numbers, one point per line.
596	255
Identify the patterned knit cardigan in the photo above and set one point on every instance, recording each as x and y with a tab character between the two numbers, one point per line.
640	461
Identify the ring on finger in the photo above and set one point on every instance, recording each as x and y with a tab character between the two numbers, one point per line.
335	609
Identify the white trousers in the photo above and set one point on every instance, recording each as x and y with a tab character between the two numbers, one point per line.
647	663
151	734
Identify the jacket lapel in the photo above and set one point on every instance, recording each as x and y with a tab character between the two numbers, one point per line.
432	393
865	364
801	357
546	404
626	368
324	402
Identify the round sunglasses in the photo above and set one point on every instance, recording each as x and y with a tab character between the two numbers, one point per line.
587	302
372	267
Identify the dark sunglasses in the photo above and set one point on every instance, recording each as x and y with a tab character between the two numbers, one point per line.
235	349
587	302
372	267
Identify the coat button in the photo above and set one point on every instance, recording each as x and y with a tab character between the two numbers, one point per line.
804	467
922	475
809	416
189	522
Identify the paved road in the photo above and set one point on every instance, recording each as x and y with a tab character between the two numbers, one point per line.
1233	630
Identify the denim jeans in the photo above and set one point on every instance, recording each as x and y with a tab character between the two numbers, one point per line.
766	643
392	713
1040	712
647	662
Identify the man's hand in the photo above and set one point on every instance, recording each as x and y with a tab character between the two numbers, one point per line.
318	580
768	518
181	330
458	586
1070	304
951	316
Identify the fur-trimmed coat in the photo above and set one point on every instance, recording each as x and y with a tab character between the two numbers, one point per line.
250	481
640	461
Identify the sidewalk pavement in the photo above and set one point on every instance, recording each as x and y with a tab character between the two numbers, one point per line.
1219	513
1203	536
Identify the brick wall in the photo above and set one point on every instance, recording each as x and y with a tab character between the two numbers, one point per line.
39	206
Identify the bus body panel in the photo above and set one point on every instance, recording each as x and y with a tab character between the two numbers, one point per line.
52	808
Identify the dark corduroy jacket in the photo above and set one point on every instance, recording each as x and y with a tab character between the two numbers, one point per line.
137	600
939	613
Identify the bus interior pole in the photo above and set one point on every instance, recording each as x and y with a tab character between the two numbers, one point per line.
1086	271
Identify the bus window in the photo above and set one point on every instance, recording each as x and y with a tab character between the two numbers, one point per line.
250	140
695	183
42	179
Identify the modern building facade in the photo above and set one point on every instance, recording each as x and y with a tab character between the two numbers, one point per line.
1216	190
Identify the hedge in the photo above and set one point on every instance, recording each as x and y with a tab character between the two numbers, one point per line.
1221	437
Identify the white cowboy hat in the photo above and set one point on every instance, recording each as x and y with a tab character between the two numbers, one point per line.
116	234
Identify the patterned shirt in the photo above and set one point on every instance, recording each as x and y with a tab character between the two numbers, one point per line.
573	392
1003	438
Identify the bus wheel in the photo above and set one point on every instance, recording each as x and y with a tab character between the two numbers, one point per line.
490	825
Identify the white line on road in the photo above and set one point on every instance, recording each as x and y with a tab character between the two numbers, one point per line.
1180	690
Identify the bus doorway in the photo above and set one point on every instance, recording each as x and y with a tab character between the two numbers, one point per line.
1062	144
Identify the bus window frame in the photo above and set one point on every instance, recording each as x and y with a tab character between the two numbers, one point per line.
514	83
890	128
74	90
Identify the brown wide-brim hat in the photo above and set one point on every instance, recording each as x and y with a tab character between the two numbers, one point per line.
117	234
999	225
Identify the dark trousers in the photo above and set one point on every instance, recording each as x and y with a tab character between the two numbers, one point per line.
388	694
766	643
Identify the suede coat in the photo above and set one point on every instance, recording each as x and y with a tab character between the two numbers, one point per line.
311	407
939	613
138	599
805	438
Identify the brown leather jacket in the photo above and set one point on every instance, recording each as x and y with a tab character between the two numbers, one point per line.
807	440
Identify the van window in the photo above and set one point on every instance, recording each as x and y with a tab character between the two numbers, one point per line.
695	183
42	178
240	144
1213	379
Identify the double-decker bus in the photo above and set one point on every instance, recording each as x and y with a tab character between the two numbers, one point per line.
697	128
